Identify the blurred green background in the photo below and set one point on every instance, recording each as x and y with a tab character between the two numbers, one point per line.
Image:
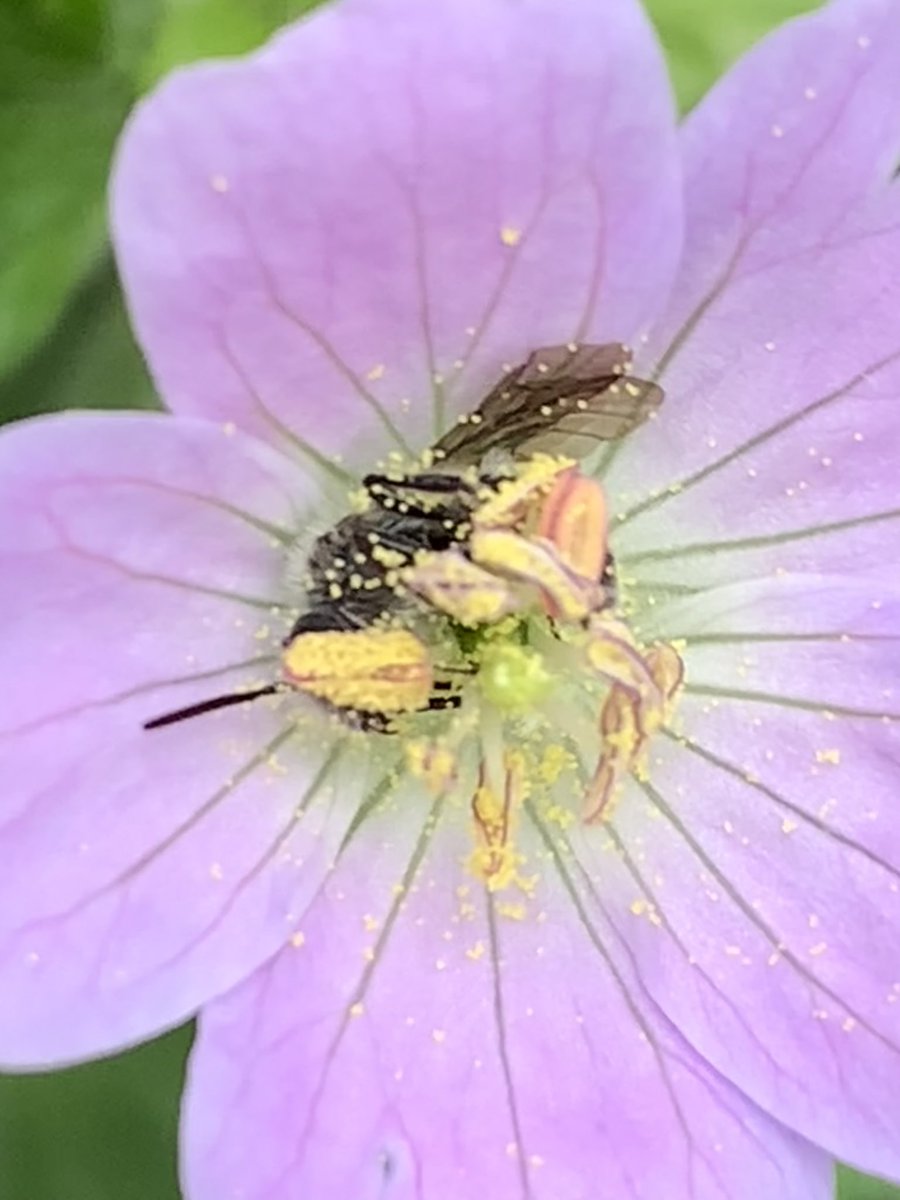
69	71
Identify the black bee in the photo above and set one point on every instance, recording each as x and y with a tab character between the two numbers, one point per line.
563	399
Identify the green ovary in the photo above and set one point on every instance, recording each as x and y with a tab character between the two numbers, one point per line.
512	677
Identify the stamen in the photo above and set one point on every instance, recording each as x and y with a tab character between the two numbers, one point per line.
626	723
538	565
495	860
574	519
454	585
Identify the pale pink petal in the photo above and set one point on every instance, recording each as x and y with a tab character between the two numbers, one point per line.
778	441
145	871
764	857
350	232
425	1041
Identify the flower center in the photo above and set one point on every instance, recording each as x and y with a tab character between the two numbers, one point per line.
479	581
511	623
553	717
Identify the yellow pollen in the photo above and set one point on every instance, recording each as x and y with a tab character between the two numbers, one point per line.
555	761
371	670
832	756
495	859
557	815
433	763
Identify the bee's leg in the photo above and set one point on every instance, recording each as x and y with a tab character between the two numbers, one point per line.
372	722
609	582
368	722
399	495
435	482
215	702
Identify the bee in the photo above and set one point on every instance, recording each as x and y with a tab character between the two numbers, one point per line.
440	537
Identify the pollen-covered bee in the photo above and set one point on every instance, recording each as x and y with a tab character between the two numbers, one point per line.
447	536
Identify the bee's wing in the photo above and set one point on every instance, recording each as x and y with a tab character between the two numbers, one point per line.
561	398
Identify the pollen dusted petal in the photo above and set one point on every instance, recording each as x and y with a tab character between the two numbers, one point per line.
779	438
392	1055
493	177
766	842
767	845
144	872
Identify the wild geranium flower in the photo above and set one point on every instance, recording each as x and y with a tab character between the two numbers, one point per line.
624	922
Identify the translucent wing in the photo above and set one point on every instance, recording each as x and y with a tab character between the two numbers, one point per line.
561	399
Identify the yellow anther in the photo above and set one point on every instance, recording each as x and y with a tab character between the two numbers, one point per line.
629	715
536	565
455	586
495	859
433	763
574	520
513	500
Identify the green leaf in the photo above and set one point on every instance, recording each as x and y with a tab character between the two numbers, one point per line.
100	1132
852	1186
702	37
90	361
192	29
53	162
60	110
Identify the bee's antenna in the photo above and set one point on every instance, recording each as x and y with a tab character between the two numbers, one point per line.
205	706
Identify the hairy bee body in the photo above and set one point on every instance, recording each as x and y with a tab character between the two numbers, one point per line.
353	568
487	469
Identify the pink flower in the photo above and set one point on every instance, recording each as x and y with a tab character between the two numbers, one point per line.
331	249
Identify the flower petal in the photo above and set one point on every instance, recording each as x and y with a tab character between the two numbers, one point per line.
767	845
144	871
778	441
489	176
424	1042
